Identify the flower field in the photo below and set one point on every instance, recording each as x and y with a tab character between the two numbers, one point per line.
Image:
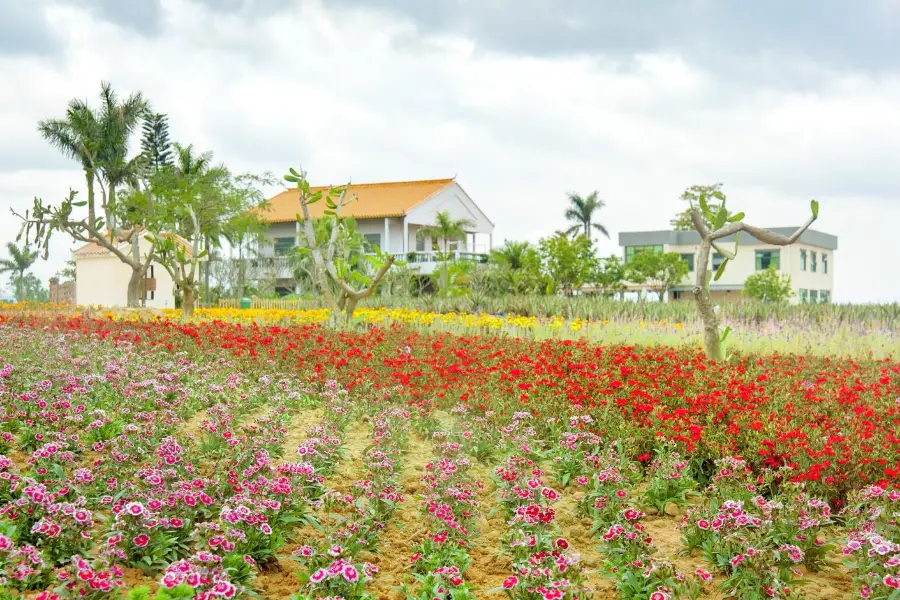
278	458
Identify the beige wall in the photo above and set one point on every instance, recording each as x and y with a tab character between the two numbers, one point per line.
103	281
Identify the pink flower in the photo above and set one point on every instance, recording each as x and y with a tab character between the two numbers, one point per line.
318	576
659	596
891	581
350	573
141	540
510	582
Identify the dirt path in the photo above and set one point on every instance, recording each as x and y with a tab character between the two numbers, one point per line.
403	530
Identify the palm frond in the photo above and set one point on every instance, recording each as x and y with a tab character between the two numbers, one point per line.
601	229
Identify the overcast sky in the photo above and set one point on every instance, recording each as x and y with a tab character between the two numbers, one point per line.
522	100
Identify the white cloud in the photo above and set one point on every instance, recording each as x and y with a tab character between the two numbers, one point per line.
355	93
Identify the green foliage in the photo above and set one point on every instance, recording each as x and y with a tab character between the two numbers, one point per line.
518	266
568	262
581	212
769	285
710	196
193	206
658	271
155	145
610	275
18	263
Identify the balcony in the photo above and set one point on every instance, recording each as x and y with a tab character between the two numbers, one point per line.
428	262
279	267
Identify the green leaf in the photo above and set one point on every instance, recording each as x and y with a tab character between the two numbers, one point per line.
293	172
704	206
720	270
725	334
82	203
291	178
721	217
736	217
814	206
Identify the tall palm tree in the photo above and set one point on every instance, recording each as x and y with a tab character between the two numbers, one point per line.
18	263
581	213
98	139
447	230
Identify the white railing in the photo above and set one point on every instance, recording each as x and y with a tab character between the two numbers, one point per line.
424	257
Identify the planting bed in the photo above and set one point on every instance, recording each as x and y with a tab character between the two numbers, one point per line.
224	460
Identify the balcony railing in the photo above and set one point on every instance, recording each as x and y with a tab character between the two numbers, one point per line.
420	257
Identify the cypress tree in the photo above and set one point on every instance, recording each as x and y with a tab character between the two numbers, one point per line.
155	144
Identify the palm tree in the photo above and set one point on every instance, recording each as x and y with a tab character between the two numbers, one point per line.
446	229
511	254
18	263
98	139
581	212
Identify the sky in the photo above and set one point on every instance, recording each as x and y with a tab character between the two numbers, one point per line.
522	100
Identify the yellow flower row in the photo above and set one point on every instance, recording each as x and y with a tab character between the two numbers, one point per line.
363	315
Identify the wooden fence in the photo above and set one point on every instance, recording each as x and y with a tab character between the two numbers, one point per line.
264	303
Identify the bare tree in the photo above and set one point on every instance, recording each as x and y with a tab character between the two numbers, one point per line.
329	266
723	226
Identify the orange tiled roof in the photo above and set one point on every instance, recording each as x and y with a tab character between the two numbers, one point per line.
373	200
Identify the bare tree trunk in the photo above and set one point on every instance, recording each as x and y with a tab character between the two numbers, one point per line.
711	338
134	288
188	301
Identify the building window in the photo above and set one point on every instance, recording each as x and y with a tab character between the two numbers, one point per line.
802	259
804	296
767	258
813	296
373	239
420	243
689	259
717	260
632	251
283	245
152	276
825	263
812	262
825	296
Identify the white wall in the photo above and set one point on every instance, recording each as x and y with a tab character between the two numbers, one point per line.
455	201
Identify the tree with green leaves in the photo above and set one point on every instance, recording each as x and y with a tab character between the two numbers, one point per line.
609	276
659	271
581	212
155	145
192	205
19	261
446	230
769	285
567	262
519	267
98	139
714	199
333	269
722	225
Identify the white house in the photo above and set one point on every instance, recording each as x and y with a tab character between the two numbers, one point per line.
101	278
389	215
809	261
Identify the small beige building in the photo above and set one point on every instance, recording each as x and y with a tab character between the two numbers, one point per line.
809	261
101	278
